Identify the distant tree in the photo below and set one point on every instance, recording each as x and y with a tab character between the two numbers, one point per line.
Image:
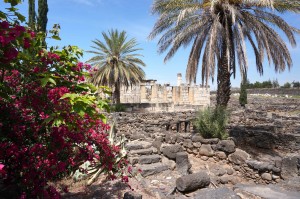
248	84
266	84
243	94
117	62
296	84
31	14
275	84
287	85
257	85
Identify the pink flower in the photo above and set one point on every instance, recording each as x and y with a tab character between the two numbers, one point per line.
26	43
43	115
125	179
36	70
79	66
32	34
23	196
2	171
81	78
87	67
10	54
3	41
19	29
4	24
129	169
56	93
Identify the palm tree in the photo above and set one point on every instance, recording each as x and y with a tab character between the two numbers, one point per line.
221	28
117	62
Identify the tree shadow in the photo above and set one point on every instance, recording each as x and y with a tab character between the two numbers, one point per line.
105	190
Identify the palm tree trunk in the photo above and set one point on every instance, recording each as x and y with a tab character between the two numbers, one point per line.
31	14
42	19
223	79
117	96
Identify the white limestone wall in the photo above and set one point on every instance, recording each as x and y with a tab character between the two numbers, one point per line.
201	96
183	95
131	95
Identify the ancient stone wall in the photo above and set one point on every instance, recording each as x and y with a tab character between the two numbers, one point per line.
263	147
275	91
172	97
252	128
266	123
271	91
217	162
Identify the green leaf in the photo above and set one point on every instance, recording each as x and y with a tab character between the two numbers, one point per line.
55	37
47	79
2	15
52	81
79	108
13	2
49	119
20	17
92	87
44	81
12	9
69	95
83	86
58	121
103	118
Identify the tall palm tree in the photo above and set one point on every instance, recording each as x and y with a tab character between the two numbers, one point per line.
117	62
221	28
31	14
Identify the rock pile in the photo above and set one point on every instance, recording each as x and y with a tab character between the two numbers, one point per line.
221	161
263	149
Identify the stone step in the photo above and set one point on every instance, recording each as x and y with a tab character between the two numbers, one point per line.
148	151
267	191
152	169
136	145
149	159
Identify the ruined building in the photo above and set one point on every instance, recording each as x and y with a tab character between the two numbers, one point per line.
150	96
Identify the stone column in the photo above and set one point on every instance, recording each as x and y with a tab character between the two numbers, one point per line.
180	94
165	94
179	79
176	94
143	93
191	95
154	93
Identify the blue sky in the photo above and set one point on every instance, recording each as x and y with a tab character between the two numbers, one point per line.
82	21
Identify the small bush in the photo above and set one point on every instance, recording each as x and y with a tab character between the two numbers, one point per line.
211	123
118	108
296	84
243	95
286	85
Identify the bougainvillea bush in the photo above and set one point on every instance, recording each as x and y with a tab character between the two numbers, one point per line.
50	121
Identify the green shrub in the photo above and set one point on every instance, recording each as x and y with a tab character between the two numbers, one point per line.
286	85
118	108
296	84
243	95
211	123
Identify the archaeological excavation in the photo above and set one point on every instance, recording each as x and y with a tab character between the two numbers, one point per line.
260	159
